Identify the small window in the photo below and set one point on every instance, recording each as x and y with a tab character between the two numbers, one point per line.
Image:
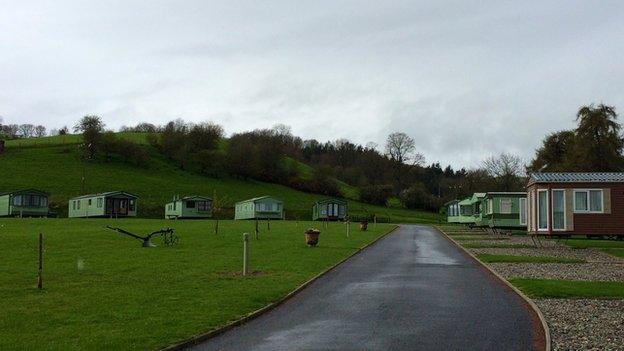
131	205
89	202
74	205
100	202
590	201
190	204
78	204
505	206
17	200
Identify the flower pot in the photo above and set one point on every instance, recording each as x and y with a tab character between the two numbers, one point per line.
363	226
312	237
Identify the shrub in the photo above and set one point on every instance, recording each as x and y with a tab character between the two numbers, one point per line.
376	194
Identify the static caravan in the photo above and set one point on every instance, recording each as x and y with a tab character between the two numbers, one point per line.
466	211
189	207
564	204
109	204
329	210
28	202
265	207
477	203
505	210
452	211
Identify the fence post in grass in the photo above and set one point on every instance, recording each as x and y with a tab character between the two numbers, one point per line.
269	224
348	222
375	221
40	274
257	231
245	253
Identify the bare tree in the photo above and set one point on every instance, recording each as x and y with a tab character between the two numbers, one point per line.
40	131
27	130
11	130
507	169
401	148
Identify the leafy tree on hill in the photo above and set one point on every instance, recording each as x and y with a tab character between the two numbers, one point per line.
91	127
594	146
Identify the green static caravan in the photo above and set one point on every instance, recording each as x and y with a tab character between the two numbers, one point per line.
476	203
27	202
452	211
505	210
189	207
109	204
329	210
265	207
460	211
466	211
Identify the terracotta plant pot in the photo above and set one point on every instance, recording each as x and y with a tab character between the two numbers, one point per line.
363	225
312	236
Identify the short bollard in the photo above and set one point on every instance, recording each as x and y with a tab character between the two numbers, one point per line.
245	253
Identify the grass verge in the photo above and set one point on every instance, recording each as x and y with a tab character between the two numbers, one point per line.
102	290
470	245
526	259
585	243
484	238
617	252
565	289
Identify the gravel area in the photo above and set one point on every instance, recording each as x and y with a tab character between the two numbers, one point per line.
589	255
584	324
565	271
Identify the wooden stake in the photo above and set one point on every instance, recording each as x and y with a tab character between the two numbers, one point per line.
245	253
269	224
40	275
257	231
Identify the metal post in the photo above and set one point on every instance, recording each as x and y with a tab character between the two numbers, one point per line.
245	253
40	275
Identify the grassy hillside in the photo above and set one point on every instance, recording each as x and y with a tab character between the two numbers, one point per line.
53	164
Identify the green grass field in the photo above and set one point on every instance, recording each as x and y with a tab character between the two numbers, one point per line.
54	165
103	290
567	289
526	259
585	243
617	252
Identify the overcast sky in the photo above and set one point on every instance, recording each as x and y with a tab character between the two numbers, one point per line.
466	79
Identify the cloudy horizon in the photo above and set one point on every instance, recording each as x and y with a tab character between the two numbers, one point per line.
465	79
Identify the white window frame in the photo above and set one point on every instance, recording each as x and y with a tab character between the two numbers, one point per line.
565	223
586	191
537	201
490	206
523	208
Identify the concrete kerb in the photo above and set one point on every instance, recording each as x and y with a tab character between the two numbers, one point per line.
255	314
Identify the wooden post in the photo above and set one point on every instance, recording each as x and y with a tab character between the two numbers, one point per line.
40	275
269	224
245	253
375	221
257	231
348	228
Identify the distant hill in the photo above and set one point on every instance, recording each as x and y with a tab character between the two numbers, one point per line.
53	164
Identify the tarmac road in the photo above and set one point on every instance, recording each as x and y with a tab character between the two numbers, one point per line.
412	290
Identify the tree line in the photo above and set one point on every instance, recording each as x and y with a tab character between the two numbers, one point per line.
393	174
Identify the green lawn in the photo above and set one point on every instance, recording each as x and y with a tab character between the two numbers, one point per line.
617	252
547	288
470	245
526	259
585	243
103	290
54	166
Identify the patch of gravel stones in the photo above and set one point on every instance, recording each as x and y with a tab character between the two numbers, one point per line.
584	324
565	271
589	255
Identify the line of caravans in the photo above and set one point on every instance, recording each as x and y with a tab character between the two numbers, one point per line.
557	204
35	203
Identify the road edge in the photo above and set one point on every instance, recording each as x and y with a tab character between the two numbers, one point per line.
257	313
538	312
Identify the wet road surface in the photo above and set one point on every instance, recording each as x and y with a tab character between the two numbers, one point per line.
412	290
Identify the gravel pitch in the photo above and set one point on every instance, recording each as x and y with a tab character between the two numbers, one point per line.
575	324
584	324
